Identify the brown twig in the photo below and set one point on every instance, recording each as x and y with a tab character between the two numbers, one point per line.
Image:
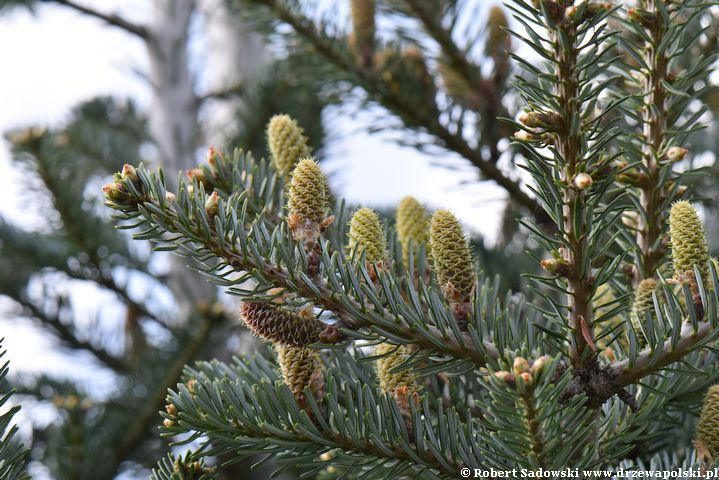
111	19
395	103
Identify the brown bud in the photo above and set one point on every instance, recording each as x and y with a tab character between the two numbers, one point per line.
505	376
212	156
649	20
129	173
539	364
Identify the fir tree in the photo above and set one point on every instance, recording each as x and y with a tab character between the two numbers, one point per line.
392	356
462	375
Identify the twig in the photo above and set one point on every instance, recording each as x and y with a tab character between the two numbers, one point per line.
654	117
111	19
648	361
371	83
223	93
147	417
65	334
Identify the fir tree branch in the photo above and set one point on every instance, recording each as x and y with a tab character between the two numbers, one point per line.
114	20
485	88
224	93
374	85
533	425
651	221
576	216
320	293
229	242
246	406
136	433
652	360
66	334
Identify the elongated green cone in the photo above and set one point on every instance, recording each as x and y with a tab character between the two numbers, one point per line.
390	381
308	193
287	143
452	258
281	326
643	302
603	301
301	368
708	427
688	240
412	227
366	236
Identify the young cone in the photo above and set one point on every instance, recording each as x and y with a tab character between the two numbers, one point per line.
287	143
708	427
301	368
308	208
643	301
412	227
389	380
688	241
366	236
308	199
453	264
281	326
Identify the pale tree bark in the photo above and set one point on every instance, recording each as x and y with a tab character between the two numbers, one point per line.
174	112
236	57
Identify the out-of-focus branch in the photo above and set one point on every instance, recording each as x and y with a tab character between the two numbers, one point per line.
65	333
149	416
222	94
111	19
393	102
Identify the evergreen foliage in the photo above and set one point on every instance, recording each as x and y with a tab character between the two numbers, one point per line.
466	377
13	456
393	354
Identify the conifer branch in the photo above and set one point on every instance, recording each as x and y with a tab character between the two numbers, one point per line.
320	293
68	336
110	19
485	88
229	243
146	418
398	105
246	413
569	147
653	23
652	360
536	439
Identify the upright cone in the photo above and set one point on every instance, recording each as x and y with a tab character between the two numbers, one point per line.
366	236
708	427
412	227
453	264
688	241
287	143
643	302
